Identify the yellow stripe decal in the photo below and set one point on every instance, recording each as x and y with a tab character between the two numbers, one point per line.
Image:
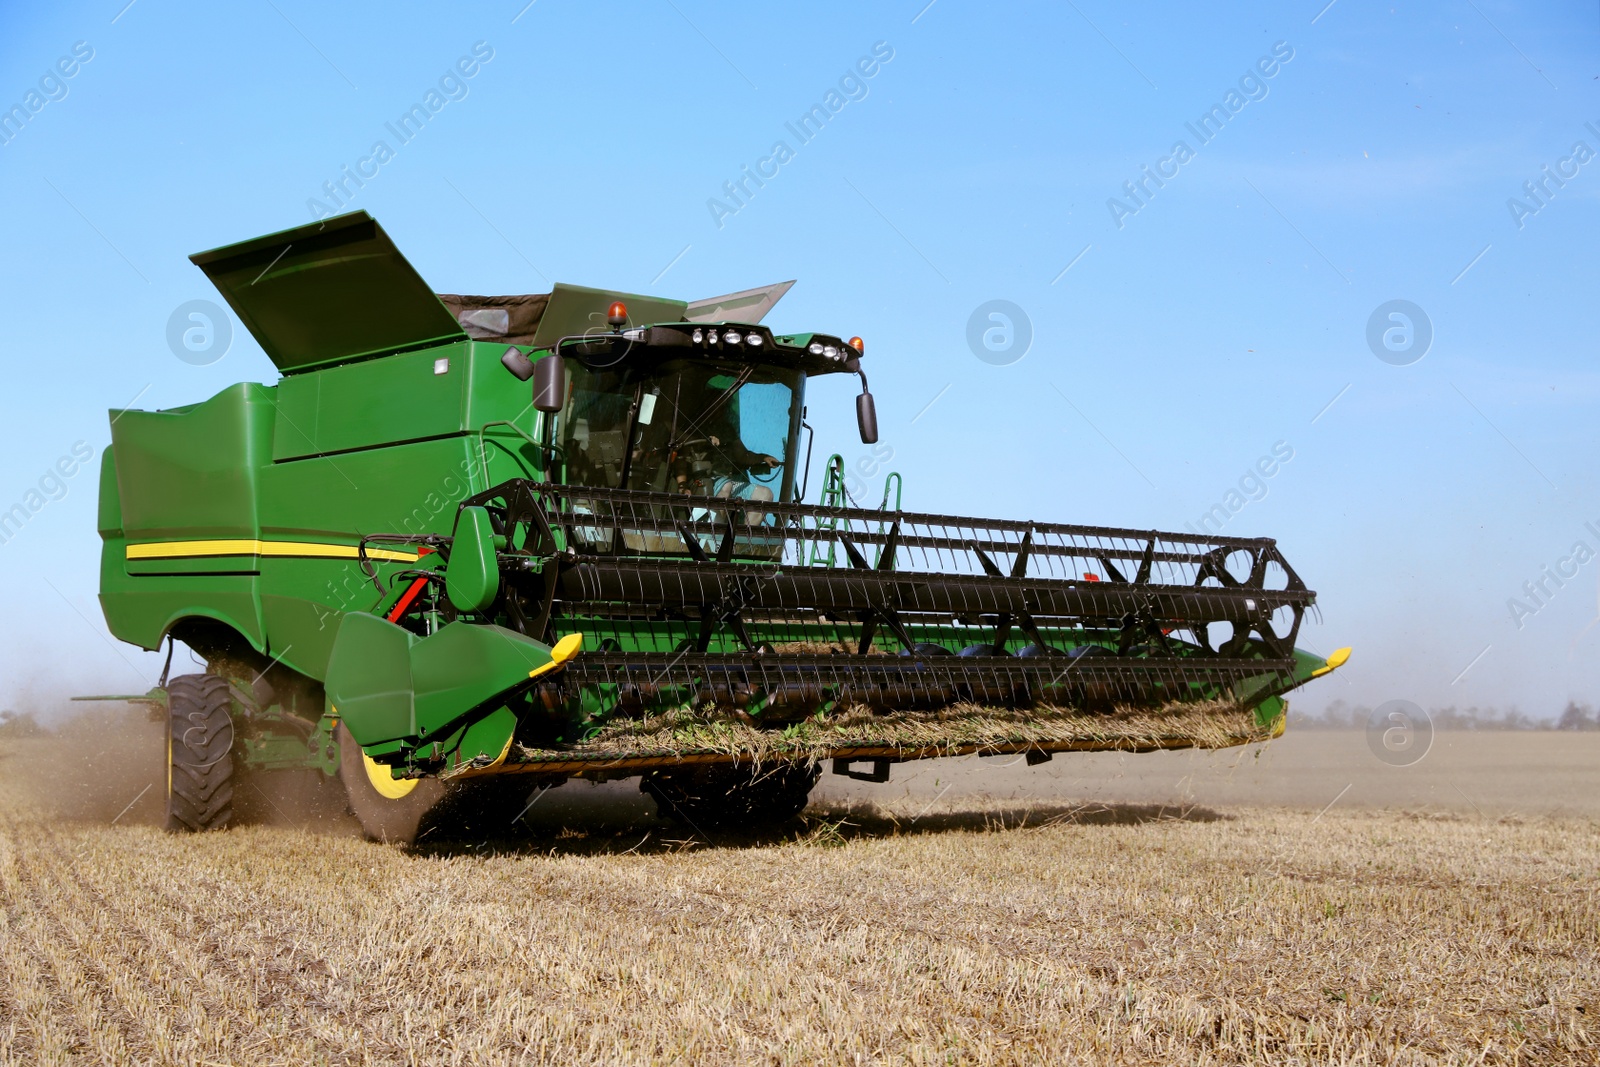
247	547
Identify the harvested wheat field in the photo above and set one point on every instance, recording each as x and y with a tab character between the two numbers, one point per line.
929	930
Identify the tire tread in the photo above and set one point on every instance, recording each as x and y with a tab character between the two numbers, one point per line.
201	731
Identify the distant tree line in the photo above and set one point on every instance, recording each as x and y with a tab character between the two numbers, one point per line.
1342	716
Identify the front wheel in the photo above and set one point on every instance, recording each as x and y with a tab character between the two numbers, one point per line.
389	809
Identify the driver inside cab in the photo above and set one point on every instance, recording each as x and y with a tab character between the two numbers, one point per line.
706	454
685	427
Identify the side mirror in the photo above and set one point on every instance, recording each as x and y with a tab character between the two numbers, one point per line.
518	364
867	418
550	383
472	577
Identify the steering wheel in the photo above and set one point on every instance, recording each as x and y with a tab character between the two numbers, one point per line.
774	474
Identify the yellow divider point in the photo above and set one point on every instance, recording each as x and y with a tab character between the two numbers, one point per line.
1340	655
564	651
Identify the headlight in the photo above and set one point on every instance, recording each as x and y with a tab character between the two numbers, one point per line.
753	340
831	352
698	336
732	337
816	348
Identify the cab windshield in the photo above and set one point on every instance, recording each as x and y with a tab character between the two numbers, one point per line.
683	427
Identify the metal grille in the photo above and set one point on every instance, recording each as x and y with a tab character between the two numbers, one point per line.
755	603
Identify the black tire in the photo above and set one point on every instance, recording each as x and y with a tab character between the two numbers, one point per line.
732	797
199	753
395	819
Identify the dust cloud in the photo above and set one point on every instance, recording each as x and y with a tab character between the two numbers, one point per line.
106	763
92	763
1492	773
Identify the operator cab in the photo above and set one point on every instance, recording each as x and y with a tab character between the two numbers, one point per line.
682	405
689	426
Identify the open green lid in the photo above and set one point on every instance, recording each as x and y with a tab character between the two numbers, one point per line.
328	292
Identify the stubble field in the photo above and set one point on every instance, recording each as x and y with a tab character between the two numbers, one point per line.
1172	908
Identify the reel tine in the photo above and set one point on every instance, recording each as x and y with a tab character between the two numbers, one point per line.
890	544
1144	564
1019	566
725	549
1113	575
692	543
857	560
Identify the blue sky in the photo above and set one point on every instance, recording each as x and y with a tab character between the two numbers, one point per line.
1220	319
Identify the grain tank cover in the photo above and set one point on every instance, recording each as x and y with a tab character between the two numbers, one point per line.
539	320
328	292
576	309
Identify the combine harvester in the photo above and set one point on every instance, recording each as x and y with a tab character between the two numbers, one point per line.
403	570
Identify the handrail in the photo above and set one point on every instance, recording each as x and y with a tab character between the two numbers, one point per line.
833	496
483	454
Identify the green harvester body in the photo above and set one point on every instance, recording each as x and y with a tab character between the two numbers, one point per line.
395	541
